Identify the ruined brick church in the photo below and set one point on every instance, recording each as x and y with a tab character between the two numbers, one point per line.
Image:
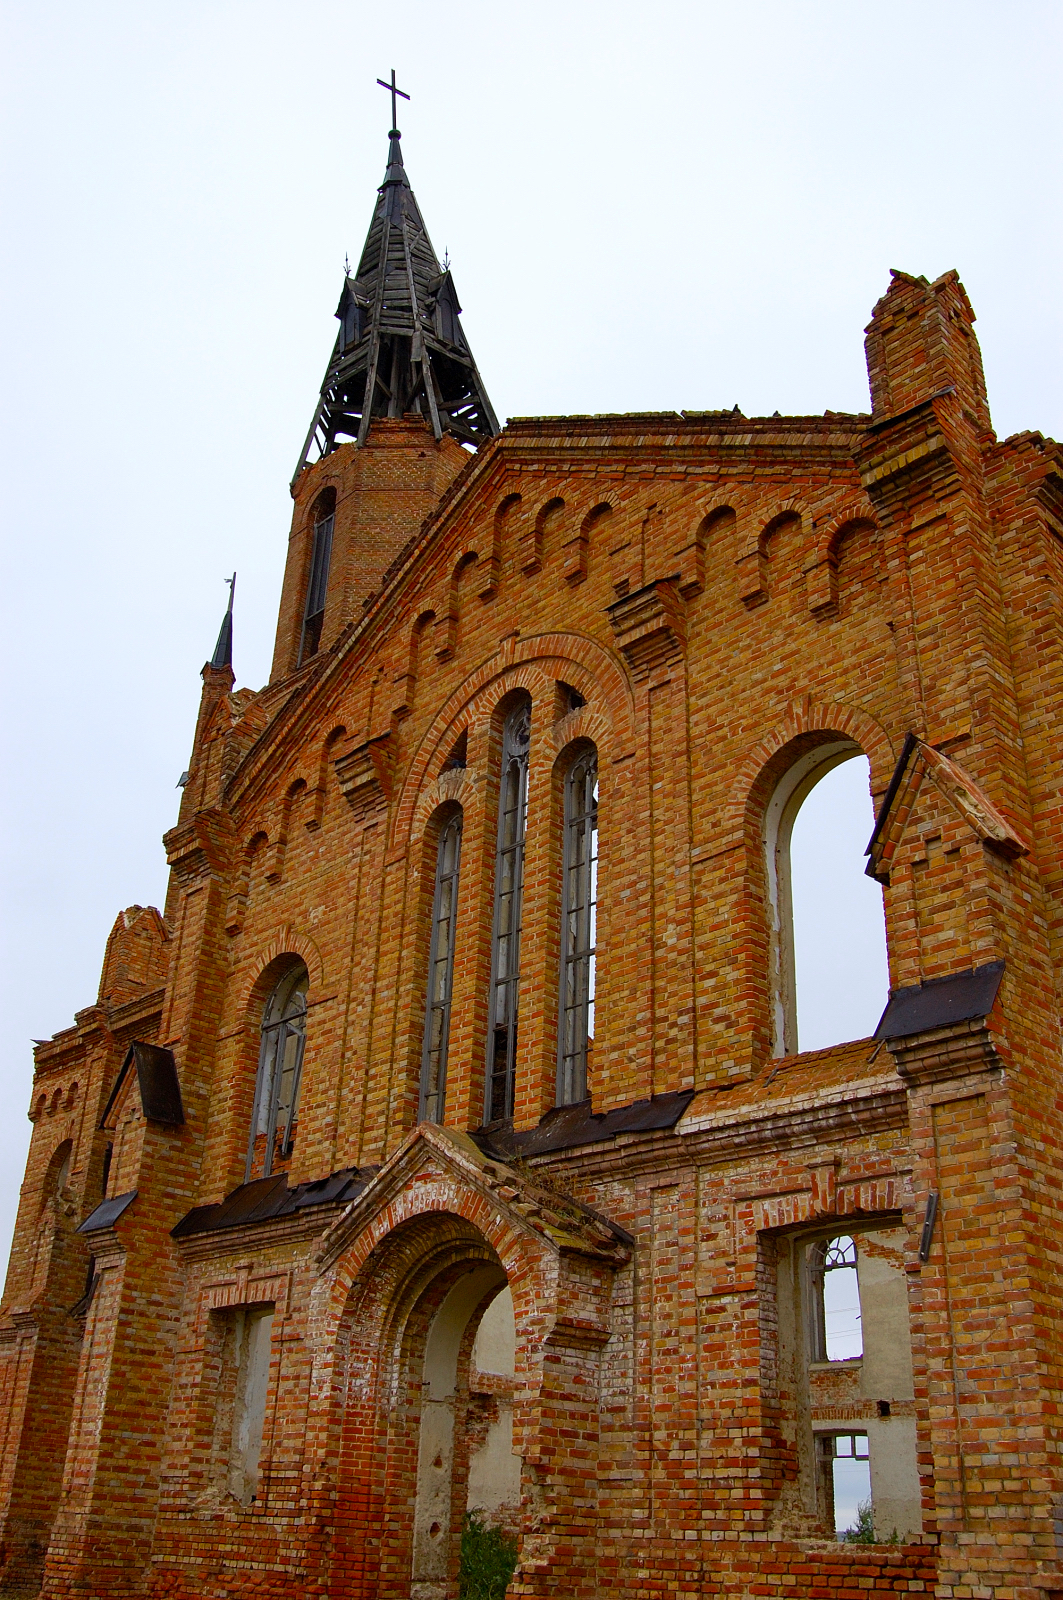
445	1144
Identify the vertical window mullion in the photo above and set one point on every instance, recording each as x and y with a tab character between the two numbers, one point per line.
440	973
505	941
280	1064
298	1035
277	1044
578	928
262	1080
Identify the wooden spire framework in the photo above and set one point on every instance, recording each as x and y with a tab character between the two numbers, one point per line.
401	347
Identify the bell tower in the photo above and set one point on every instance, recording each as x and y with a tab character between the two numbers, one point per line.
401	406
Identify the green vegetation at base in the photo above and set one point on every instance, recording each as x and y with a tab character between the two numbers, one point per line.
488	1560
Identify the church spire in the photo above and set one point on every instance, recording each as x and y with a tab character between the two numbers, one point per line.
401	347
223	650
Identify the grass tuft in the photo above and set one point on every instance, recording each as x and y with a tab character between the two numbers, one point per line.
488	1560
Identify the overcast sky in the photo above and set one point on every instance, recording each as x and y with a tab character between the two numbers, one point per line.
646	207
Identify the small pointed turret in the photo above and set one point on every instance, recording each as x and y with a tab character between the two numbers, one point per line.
223	650
401	348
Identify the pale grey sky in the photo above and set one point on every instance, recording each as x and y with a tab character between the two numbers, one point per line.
646	207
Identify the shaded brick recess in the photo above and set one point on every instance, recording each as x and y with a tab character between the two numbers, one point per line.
724	594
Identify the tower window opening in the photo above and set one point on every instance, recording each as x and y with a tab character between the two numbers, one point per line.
280	1067
837	1331
320	557
440	973
509	887
579	928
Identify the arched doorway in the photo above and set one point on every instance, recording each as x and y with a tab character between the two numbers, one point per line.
430	1344
465	1459
457	1324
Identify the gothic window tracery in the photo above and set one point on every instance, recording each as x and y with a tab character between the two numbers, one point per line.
509	887
440	972
579	900
280	1065
836	1320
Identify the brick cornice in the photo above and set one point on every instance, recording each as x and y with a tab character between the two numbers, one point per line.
940	1054
853	1111
702	445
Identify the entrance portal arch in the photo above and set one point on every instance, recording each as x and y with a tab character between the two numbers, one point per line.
465	1457
456	1325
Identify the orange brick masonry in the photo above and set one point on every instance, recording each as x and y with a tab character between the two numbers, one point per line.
725	594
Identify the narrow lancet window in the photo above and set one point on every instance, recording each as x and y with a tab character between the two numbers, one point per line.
509	885
440	973
280	1065
321	555
579	906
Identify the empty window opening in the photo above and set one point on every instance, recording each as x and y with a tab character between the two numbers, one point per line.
579	928
240	1409
830	977
570	698
440	972
837	1329
844	1464
458	758
280	1066
845	1363
320	557
509	887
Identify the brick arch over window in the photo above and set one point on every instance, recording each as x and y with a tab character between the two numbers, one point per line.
266	958
534	664
807	716
454	785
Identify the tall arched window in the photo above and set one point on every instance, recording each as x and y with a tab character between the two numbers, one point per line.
829	976
579	906
280	1065
440	972
509	886
320	556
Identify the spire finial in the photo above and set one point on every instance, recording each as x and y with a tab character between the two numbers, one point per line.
223	650
395	91
401	350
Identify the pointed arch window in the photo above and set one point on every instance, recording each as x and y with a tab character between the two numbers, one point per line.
320	557
509	889
579	927
440	972
280	1067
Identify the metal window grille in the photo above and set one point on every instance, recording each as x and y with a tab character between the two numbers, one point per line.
280	1066
505	942
579	912
440	973
314	610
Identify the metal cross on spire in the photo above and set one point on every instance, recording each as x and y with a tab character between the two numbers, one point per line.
395	91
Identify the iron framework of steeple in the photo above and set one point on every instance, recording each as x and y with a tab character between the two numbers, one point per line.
401	347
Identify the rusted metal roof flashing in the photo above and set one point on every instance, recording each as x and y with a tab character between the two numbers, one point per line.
565	1127
960	997
267	1198
160	1088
